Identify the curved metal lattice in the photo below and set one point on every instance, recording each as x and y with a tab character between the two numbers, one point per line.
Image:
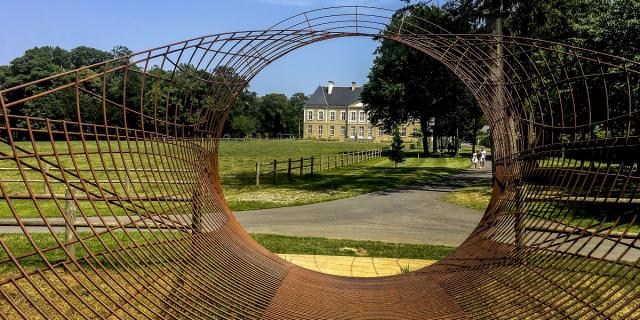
154	237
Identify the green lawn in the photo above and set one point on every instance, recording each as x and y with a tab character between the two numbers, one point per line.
20	245
237	168
349	181
342	247
474	197
583	215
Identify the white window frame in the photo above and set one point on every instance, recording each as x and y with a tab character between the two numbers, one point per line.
320	130
353	132
361	117
320	115
309	114
343	115
309	129
352	117
370	133
403	132
361	132
380	132
332	116
343	130
332	131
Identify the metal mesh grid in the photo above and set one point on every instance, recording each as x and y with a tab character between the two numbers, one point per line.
137	213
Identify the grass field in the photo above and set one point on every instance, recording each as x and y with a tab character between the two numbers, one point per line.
369	176
237	162
474	197
578	215
20	246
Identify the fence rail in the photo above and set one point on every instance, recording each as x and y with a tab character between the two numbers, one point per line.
299	167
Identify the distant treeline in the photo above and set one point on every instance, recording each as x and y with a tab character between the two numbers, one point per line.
162	90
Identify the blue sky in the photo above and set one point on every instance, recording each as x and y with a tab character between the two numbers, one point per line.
142	24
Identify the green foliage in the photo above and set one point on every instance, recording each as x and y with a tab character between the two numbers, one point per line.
406	84
396	154
171	97
244	125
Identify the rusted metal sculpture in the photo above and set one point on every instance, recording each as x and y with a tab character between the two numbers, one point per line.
153	237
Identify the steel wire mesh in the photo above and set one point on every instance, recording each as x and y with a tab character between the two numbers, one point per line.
149	234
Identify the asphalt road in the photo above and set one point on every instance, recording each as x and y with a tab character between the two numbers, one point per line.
414	214
409	215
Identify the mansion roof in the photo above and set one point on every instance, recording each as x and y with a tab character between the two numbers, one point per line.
339	97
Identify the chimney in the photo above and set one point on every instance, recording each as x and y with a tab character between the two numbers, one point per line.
330	87
353	86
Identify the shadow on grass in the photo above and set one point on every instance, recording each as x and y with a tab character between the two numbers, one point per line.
361	179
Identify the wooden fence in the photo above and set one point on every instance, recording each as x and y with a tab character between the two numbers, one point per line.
300	166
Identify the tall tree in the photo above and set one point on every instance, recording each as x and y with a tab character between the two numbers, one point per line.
296	119
405	83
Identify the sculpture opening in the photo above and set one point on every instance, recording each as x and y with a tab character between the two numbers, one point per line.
559	238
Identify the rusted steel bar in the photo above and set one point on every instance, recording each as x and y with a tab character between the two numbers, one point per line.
142	136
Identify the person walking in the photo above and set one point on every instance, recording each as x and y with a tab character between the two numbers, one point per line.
483	158
474	160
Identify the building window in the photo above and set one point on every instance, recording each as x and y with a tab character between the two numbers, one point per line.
353	132
362	117
309	129
332	116
353	116
320	130
332	131
310	115
370	133
343	131
415	131
380	132
343	115
361	132
320	115
403	132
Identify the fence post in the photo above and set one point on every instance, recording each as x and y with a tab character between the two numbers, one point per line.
47	191
311	164
127	182
70	224
321	162
275	170
301	166
257	173
342	160
289	170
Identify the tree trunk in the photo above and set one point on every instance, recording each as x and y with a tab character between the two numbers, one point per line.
457	144
424	126
474	135
435	138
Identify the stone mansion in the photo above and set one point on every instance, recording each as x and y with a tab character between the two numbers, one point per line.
336	113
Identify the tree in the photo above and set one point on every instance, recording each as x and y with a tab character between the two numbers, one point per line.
406	83
397	149
273	111
296	120
244	125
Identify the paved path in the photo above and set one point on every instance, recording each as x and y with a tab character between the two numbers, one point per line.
408	215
